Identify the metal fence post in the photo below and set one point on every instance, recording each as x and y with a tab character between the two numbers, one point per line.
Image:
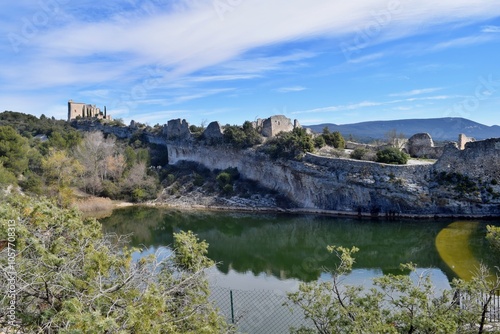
232	310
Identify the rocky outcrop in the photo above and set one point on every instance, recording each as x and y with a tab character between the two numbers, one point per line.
421	145
213	132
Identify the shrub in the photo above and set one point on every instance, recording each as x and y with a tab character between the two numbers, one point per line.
76	280
290	145
392	156
333	139
223	179
319	142
198	180
242	137
358	153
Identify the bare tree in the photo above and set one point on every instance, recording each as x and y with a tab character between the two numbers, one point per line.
395	139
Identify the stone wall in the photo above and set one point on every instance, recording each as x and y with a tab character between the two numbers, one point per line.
478	160
463	140
276	124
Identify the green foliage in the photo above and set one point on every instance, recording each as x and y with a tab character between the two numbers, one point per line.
392	155
398	303
493	237
6	177
461	183
333	139
32	184
290	145
241	137
358	153
30	126
13	150
319	142
76	280
223	178
226	178
198	180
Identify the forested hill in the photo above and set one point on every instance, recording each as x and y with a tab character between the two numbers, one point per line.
447	128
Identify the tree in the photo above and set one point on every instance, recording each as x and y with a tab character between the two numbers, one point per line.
395	139
92	153
14	150
73	279
398	304
290	145
138	184
392	155
60	170
493	236
242	137
334	139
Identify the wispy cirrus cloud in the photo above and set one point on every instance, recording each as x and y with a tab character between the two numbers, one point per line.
415	92
367	104
109	46
291	89
462	42
490	29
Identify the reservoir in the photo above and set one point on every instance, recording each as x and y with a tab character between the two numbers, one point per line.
270	254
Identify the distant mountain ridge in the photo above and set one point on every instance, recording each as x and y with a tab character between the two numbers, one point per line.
441	129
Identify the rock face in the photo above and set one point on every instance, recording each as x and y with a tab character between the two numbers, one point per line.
213	132
421	145
355	186
461	182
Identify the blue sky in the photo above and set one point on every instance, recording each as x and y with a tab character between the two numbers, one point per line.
317	61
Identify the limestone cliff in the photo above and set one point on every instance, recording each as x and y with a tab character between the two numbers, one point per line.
358	186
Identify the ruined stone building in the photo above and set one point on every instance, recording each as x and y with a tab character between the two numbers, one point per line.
82	110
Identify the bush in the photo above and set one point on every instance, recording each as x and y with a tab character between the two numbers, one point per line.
227	189
392	156
77	280
242	137
7	177
198	180
333	139
359	153
290	145
319	142
493	236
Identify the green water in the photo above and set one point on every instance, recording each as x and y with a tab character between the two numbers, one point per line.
284	247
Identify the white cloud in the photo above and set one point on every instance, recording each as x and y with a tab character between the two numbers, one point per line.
462	42
417	91
367	104
491	29
291	89
112	45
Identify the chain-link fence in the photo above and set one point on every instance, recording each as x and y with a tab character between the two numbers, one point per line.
258	311
270	311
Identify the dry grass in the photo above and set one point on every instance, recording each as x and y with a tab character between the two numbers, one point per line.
94	204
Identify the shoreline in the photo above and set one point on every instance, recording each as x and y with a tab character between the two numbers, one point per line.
301	211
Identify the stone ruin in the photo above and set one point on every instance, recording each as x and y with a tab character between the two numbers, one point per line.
176	129
269	127
275	124
462	140
421	145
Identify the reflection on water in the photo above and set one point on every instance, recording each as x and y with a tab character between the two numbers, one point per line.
291	247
